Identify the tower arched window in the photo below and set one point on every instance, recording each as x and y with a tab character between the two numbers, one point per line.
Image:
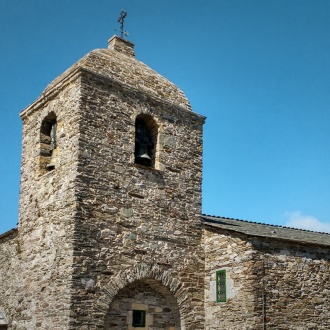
146	131
48	143
3	320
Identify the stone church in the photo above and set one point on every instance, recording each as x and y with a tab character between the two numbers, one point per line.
111	234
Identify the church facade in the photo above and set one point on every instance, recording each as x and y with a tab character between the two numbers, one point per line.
110	232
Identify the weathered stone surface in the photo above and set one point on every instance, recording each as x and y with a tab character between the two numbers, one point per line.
98	223
100	235
269	281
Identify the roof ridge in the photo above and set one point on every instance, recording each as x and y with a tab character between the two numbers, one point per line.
265	224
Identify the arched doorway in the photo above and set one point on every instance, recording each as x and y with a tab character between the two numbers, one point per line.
143	304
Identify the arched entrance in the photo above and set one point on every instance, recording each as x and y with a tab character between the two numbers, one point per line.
143	304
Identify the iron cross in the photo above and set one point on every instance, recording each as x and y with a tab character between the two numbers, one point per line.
121	19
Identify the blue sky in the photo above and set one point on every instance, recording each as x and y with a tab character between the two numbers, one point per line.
259	70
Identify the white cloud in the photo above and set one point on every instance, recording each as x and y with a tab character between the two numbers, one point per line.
299	220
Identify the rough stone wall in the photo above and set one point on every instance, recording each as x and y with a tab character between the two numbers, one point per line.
296	284
234	254
9	275
41	283
132	215
98	222
270	283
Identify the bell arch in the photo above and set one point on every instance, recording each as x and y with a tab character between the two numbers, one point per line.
155	278
48	143
146	131
3	320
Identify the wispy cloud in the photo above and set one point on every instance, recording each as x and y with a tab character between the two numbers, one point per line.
299	220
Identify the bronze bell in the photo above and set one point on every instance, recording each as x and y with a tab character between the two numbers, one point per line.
53	147
142	156
53	161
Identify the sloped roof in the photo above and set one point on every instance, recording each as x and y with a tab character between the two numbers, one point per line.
119	64
268	231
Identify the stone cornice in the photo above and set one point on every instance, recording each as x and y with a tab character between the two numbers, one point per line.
8	233
76	72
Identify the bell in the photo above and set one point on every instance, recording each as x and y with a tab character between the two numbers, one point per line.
142	156
53	161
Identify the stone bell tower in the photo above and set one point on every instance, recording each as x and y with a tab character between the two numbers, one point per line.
111	200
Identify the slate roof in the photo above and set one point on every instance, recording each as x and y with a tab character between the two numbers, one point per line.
268	231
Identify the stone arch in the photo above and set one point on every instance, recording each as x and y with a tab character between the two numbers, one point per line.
144	304
148	274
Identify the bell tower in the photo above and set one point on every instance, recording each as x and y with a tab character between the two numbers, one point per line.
111	199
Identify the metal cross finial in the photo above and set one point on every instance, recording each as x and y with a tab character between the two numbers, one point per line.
121	19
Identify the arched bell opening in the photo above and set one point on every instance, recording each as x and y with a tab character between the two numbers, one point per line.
146	131
3	320
48	144
143	304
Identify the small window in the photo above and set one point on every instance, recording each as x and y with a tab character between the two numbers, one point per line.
221	286
145	140
139	319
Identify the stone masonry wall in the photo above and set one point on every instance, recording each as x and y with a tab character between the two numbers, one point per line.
296	284
131	215
98	223
234	254
270	283
41	284
10	283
